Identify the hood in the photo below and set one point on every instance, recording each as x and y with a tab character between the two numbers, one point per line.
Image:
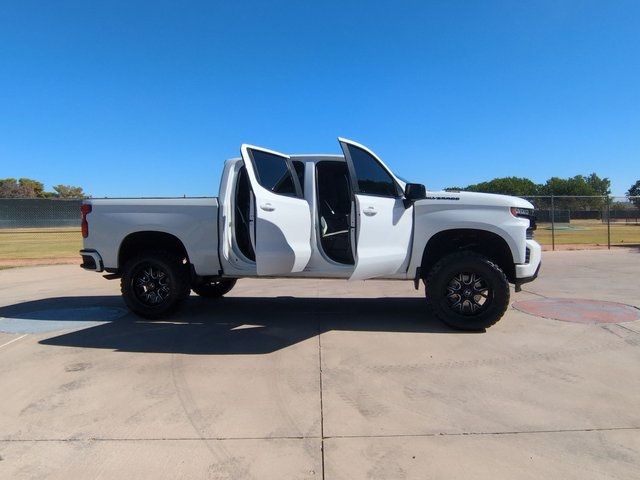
477	199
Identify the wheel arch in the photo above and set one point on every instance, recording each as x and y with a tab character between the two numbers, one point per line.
484	242
137	242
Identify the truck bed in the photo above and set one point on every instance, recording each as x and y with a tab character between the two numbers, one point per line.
193	221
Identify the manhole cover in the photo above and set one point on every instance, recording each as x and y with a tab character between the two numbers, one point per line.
51	320
579	310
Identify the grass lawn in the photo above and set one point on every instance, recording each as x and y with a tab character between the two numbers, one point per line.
591	232
22	243
55	243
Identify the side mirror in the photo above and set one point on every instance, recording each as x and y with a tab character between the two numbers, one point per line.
415	191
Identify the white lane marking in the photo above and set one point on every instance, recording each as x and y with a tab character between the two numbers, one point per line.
14	340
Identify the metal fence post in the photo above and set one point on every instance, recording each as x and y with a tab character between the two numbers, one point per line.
553	225
608	222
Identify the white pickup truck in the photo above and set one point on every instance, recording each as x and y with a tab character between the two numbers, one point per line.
316	216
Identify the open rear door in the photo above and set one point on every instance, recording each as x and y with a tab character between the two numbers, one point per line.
384	225
282	216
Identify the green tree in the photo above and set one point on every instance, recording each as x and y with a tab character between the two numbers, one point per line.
591	185
634	191
8	188
578	186
31	188
21	188
68	191
567	186
517	186
601	186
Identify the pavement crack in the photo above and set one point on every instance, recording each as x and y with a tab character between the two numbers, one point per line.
478	434
321	403
331	437
152	439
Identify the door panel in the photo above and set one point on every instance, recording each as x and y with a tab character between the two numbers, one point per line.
282	220
384	226
383	236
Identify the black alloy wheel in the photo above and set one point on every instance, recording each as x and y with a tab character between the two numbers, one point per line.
467	291
154	283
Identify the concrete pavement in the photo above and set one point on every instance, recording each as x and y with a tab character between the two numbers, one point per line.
316	379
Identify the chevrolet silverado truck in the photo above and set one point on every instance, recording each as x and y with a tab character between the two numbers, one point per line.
316	216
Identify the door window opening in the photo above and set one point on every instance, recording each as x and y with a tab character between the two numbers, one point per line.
334	210
372	178
241	215
273	173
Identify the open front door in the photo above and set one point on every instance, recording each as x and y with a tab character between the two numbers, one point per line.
383	223
282	216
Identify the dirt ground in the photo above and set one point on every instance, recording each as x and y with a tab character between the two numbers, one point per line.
30	262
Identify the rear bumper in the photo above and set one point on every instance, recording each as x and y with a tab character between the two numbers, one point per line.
527	272
91	260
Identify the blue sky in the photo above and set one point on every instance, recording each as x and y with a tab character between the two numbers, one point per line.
149	98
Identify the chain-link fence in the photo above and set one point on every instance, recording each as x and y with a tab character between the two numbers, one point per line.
33	230
579	221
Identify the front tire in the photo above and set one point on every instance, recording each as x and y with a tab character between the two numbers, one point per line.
467	291
214	288
154	283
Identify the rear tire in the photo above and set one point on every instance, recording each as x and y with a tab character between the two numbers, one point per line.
215	288
154	283
467	291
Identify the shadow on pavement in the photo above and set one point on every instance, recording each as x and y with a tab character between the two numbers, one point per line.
236	325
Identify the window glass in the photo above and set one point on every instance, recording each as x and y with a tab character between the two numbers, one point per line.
298	166
273	173
372	178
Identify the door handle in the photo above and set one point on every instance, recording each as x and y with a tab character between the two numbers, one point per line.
370	211
267	207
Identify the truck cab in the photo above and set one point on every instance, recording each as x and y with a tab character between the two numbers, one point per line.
314	215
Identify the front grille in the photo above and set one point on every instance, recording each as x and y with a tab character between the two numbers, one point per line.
527	255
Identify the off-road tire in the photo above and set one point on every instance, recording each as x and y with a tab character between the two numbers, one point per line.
170	280
214	288
442	292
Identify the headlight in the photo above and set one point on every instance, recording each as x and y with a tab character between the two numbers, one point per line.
529	214
522	212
